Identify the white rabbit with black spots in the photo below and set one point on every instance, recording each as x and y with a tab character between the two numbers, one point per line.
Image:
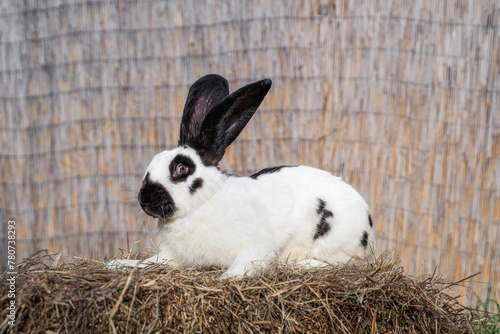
209	218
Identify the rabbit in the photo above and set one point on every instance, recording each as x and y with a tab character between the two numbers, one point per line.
207	217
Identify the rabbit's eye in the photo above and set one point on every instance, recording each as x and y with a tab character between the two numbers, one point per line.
181	169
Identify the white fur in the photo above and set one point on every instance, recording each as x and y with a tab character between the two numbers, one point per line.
240	223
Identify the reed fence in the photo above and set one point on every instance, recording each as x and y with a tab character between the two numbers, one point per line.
401	99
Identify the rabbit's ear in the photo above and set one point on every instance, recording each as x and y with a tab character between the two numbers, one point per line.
203	95
243	104
226	120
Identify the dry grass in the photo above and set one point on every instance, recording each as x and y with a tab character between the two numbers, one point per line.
83	296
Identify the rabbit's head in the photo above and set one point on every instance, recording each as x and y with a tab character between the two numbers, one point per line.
179	180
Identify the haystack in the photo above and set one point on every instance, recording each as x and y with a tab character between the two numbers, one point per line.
84	297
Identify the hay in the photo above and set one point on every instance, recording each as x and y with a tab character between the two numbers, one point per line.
375	298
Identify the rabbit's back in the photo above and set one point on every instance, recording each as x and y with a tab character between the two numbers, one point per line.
315	215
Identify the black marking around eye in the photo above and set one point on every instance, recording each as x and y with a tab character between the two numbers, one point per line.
185	160
269	171
323	227
197	184
370	220
364	240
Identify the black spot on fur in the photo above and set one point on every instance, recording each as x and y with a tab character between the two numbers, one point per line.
323	227
186	161
370	220
155	200
268	171
197	183
364	240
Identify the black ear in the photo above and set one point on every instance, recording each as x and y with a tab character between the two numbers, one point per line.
243	104
203	95
227	119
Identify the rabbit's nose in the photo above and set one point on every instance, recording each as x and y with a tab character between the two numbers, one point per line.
155	200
